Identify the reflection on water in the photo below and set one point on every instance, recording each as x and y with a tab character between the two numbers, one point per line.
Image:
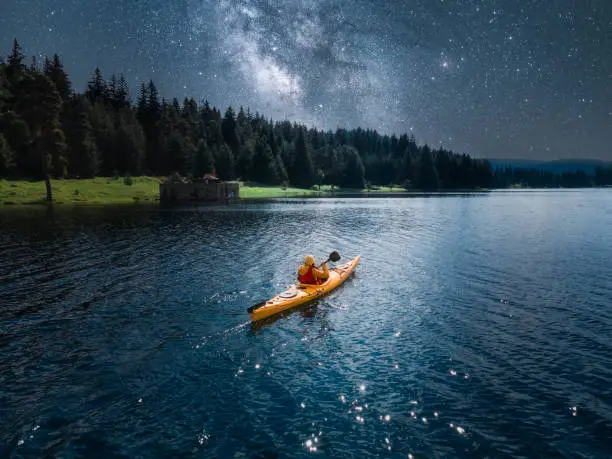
474	326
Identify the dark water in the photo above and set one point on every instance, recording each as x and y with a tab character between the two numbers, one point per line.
475	326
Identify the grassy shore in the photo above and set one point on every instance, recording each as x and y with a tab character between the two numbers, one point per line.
251	191
98	191
142	190
260	192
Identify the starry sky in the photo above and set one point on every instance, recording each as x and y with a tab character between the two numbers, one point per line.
492	78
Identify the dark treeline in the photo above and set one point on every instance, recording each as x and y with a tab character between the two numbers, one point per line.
49	130
535	178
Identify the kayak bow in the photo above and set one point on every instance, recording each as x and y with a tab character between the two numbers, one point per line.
298	294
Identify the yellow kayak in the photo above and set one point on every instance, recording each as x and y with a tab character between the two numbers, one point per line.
299	293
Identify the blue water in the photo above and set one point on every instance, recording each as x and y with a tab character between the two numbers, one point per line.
474	326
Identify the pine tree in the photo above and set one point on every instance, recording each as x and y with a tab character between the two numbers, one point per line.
428	175
302	171
281	172
244	165
243	126
178	153
97	89
103	129
142	105
224	162
204	161
110	133
40	107
17	134
264	163
214	134
406	172
353	172
15	59
122	93
228	128
54	69
112	89
7	158
129	143
152	128
55	146
154	104
82	149
5	94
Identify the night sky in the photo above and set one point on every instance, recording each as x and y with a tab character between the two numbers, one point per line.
495	79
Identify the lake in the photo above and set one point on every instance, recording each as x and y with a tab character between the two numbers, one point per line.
474	326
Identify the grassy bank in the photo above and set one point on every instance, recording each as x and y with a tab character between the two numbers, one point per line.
251	191
98	191
105	190
260	192
144	190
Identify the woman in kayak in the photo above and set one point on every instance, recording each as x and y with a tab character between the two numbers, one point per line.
308	274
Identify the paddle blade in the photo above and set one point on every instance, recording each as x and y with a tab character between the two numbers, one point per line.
256	306
334	256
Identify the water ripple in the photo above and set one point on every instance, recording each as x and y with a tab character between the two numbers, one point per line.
458	336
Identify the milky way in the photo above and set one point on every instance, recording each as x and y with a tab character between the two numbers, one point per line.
490	78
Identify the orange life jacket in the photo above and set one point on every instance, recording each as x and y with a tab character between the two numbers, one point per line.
309	277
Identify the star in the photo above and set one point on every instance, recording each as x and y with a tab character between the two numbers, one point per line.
372	65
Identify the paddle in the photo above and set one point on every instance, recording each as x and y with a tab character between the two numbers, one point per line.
334	256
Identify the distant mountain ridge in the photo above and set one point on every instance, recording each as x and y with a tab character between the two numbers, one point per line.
558	166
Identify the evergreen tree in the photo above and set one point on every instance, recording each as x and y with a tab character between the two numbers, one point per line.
483	176
353	172
214	134
265	166
54	69
122	93
112	88
142	105
427	178
180	153
103	131
7	158
108	132
204	161
129	143
97	89
446	170
17	134
224	162
228	128
287	153
15	65
40	107
244	166
302	171
243	126
82	149
149	113
281	172
5	94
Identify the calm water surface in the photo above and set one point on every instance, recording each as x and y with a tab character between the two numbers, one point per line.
474	326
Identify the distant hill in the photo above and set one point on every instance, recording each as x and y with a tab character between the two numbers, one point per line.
557	166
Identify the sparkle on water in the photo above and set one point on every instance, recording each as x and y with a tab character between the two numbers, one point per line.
104	308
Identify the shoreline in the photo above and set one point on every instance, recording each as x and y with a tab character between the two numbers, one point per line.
144	191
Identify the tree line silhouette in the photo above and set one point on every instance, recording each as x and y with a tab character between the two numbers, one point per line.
536	178
48	130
